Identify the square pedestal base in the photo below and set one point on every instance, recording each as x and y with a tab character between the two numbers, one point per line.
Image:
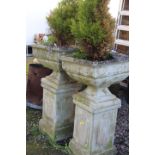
56	134
79	150
94	124
58	108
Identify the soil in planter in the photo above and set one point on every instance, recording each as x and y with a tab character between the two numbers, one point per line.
82	55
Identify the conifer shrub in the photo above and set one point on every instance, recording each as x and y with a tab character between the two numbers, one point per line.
60	20
93	29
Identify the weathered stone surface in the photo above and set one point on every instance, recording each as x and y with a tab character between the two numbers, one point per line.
96	107
96	74
50	57
94	125
79	150
58	108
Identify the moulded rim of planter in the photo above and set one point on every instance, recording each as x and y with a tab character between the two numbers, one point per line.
117	57
50	53
98	72
48	48
49	56
54	49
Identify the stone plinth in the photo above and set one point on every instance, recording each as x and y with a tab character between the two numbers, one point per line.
58	108
96	107
94	126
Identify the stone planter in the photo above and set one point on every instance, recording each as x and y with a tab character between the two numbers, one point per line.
58	108
96	108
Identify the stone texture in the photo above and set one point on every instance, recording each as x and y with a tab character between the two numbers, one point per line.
96	107
94	125
58	108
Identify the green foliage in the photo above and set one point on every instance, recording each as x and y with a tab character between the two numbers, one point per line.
63	148
83	55
93	28
51	40
60	19
79	54
35	131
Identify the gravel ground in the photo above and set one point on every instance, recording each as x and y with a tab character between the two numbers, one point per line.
38	144
122	130
122	126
